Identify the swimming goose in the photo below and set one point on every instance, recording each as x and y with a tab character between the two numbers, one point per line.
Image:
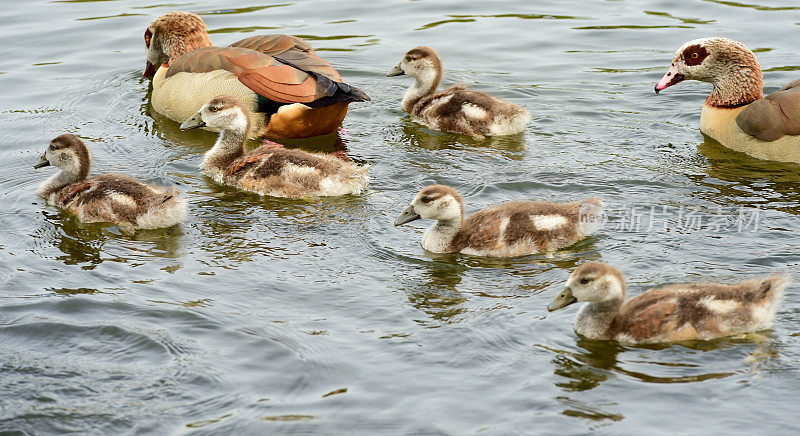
736	114
111	198
456	109
671	313
290	91
507	230
269	169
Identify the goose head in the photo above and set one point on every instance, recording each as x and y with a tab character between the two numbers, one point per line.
223	113
436	202
68	153
592	282
172	35
421	63
727	64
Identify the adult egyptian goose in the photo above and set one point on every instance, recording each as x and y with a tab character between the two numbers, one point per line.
671	313
456	109
736	114
270	169
109	198
291	92
507	230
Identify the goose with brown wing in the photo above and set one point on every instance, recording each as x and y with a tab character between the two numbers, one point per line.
290	91
736	114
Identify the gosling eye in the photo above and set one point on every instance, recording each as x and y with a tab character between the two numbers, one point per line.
585	280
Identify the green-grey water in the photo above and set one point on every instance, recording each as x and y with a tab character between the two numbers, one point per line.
274	316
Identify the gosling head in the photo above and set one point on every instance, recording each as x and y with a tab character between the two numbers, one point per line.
436	202
171	35
421	63
69	153
223	113
715	60
592	282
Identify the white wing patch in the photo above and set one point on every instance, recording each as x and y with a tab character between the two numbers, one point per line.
719	306
122	199
474	111
548	222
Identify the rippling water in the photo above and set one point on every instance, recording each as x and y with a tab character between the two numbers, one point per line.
276	316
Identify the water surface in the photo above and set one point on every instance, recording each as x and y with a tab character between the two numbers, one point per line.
265	316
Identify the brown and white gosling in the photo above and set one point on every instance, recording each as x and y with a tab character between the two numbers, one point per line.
672	313
736	114
456	109
507	230
270	169
111	198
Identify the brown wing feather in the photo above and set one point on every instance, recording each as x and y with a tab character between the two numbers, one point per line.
290	50
260	72
773	116
243	162
274	44
649	320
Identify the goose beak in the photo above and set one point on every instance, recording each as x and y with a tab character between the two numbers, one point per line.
193	122
43	162
672	77
407	216
149	70
562	300
396	71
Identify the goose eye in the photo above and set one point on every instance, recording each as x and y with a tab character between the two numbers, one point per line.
585	280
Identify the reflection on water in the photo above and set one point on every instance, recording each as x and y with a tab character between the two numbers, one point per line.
738	179
418	135
435	293
596	361
83	244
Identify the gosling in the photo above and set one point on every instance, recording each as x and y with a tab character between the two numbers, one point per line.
672	313
456	109
111	198
270	169
510	229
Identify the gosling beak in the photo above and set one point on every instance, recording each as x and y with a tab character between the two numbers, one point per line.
149	70
562	300
672	77
407	216
396	71
193	122
43	162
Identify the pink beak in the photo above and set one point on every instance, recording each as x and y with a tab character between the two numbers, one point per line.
672	77
149	70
